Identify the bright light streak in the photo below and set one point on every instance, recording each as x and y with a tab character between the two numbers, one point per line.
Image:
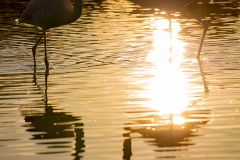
167	87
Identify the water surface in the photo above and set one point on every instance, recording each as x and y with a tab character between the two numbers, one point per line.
120	86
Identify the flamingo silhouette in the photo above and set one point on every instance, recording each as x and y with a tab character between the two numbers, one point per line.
48	14
169	5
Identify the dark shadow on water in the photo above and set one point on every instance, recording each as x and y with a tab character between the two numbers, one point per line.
54	123
168	137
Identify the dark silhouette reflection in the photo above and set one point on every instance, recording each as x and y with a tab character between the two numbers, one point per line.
205	83
167	134
127	144
54	123
164	131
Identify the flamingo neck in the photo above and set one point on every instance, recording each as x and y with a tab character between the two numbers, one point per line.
77	11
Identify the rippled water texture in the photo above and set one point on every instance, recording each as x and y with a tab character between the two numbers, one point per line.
120	86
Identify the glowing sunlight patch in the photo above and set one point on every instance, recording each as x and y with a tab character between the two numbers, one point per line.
166	89
178	120
166	42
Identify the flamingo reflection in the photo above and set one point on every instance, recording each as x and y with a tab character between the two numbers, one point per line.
169	130
54	123
169	118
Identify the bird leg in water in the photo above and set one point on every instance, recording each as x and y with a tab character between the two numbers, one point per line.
34	49
46	60
205	28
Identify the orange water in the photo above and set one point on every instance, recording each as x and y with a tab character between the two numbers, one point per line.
120	86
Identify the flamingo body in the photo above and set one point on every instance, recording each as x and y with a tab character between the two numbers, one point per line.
169	5
48	14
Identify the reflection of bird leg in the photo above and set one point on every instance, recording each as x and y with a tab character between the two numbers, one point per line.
46	87
203	77
79	145
40	88
127	144
205	27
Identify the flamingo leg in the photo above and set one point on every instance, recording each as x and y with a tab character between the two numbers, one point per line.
46	60
34	49
205	28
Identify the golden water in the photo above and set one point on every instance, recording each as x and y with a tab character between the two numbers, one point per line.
120	86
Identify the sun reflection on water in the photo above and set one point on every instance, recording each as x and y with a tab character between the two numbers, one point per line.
164	93
167	88
166	41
